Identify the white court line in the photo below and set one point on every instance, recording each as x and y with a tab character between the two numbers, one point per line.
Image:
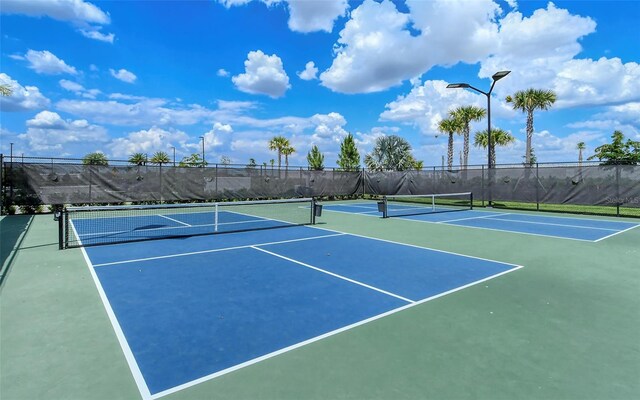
214	250
142	387
124	345
174	220
323	336
365	213
335	275
464	219
552	224
494	229
414	245
617	233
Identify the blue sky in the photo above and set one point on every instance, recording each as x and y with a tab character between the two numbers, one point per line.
144	76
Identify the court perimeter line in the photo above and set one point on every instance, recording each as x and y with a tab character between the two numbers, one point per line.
174	220
214	250
334	275
323	336
124	345
617	233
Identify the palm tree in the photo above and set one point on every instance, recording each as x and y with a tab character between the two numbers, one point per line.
450	126
96	158
465	115
138	159
5	90
581	146
160	157
390	153
278	143
528	101
287	151
499	137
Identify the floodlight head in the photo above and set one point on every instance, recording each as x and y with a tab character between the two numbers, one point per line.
499	75
457	85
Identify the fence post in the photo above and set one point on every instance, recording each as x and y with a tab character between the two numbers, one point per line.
435	181
482	184
617	189
161	189
537	189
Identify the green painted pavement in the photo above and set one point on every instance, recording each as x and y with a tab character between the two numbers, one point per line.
564	327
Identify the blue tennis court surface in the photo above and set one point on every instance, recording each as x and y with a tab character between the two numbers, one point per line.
539	225
187	310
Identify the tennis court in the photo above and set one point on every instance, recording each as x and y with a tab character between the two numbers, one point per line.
221	304
193	310
564	227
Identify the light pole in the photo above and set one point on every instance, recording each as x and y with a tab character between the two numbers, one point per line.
496	77
202	137
174	155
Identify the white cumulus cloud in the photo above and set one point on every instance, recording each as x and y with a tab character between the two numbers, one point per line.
123	75
264	74
305	15
47	131
86	16
149	141
78	89
45	62
23	98
315	15
97	35
309	73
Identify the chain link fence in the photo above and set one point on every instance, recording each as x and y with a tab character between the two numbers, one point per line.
29	182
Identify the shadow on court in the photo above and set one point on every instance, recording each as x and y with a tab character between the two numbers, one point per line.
13	229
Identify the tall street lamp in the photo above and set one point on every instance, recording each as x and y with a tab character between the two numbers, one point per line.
202	137
496	77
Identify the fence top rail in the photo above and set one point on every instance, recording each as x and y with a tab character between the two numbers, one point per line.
119	162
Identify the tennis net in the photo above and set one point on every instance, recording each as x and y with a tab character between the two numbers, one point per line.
90	226
404	205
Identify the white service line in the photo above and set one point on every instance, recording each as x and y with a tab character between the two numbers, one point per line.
464	219
213	250
334	274
174	220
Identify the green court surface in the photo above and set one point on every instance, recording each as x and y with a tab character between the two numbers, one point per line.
566	326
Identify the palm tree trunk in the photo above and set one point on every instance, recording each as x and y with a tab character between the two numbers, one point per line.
450	152
493	155
466	147
579	156
529	136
